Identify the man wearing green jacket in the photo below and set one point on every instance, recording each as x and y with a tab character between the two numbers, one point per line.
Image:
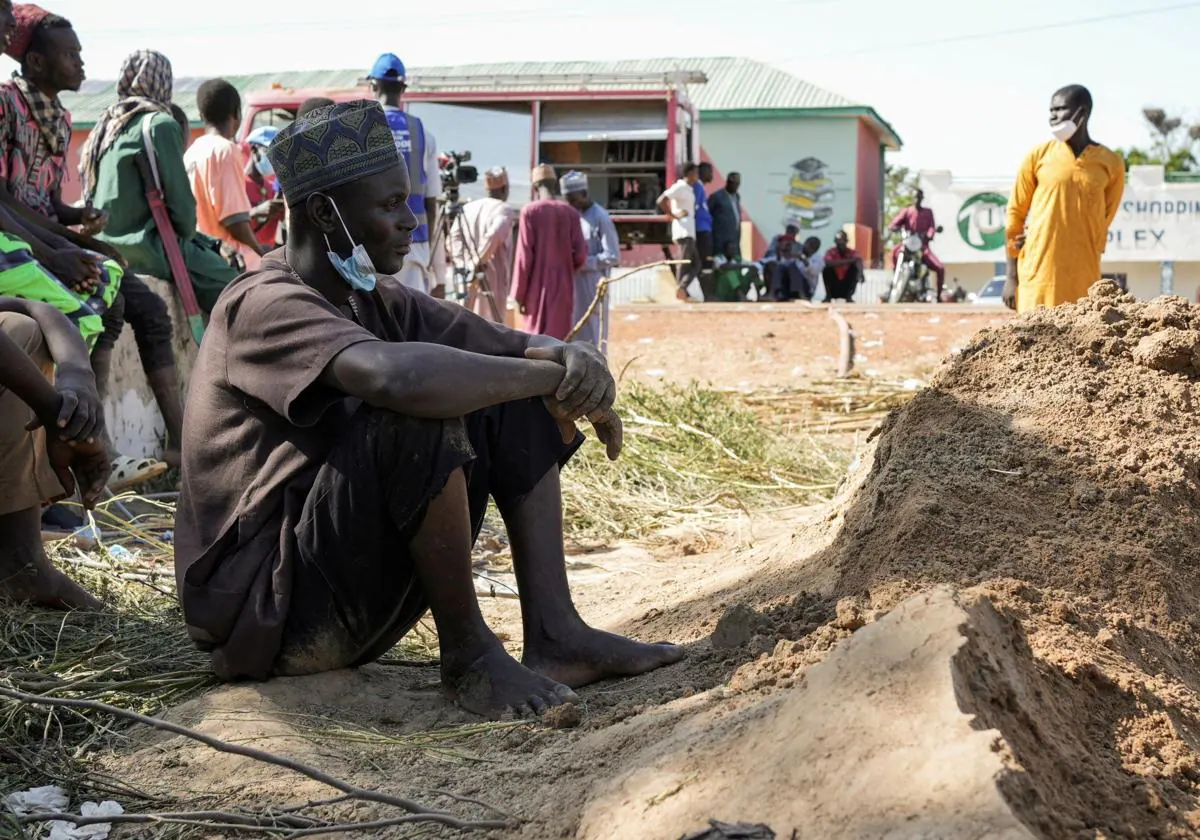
114	184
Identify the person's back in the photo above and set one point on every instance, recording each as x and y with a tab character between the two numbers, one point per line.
212	162
550	247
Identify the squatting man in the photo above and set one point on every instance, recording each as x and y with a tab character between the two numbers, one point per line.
344	434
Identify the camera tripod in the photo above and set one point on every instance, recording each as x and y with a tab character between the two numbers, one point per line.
463	278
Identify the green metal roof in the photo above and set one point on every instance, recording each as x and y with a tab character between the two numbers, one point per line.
734	84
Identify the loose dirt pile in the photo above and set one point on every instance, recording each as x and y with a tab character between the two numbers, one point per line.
1014	561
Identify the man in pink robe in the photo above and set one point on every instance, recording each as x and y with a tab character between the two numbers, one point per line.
550	249
481	244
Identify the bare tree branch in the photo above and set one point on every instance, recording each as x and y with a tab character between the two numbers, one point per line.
418	812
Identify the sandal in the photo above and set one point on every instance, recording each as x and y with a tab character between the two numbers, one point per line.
129	472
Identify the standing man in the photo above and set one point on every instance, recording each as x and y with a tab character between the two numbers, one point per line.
217	172
262	189
550	249
843	270
725	205
1066	195
919	219
481	245
704	220
418	152
604	252
679	202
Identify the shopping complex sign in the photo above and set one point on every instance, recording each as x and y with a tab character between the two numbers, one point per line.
1154	222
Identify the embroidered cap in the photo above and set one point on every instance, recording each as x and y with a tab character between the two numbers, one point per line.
573	182
332	146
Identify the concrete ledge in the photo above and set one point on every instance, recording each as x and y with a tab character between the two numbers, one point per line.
133	419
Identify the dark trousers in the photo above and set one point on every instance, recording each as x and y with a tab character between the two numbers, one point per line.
789	282
690	270
147	314
842	289
355	592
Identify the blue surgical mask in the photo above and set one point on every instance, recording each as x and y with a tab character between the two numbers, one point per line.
263	164
357	269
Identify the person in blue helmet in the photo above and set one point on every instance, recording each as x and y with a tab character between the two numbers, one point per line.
262	188
424	266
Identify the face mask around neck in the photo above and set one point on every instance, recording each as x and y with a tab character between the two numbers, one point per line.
357	270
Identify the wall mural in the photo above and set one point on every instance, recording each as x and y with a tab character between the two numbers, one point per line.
810	196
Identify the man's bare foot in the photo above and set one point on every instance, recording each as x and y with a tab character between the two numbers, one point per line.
27	576
585	655
41	584
490	682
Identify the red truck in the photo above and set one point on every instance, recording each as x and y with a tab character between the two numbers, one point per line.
630	133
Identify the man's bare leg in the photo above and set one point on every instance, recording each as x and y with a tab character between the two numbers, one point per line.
558	644
476	669
26	574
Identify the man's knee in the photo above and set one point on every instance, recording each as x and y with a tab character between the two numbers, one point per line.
23	330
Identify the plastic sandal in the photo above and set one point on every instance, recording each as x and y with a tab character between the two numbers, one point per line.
129	472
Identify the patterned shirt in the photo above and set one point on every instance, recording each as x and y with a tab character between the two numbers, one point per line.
34	173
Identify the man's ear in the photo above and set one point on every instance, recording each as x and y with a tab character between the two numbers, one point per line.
319	210
35	63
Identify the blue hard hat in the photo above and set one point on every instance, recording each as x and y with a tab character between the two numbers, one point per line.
387	68
262	136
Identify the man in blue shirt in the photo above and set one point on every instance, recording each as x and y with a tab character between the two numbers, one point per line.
423	269
704	224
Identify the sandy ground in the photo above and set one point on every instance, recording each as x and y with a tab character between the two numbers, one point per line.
784	345
890	665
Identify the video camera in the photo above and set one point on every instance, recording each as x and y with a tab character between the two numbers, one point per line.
454	174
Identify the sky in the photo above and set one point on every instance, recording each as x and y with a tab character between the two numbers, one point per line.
966	83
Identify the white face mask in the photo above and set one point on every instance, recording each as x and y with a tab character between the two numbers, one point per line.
1065	130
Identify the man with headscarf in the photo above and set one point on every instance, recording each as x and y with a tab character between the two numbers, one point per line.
35	132
481	247
550	249
604	253
347	432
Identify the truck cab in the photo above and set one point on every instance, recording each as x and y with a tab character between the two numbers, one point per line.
630	133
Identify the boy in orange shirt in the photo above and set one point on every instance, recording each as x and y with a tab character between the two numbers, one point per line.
217	170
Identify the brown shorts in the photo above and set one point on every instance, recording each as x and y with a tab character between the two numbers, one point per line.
26	478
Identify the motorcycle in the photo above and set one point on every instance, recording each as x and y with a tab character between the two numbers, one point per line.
910	281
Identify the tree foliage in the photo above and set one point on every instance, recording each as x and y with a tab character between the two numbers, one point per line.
899	185
1173	143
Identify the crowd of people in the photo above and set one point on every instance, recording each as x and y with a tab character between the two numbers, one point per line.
345	428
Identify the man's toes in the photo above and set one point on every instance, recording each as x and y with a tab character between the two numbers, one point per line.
537	704
670	653
564	694
72	596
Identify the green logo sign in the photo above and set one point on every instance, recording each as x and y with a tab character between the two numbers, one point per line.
981	221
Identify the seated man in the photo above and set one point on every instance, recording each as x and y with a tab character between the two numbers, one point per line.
345	435
48	463
735	278
843	270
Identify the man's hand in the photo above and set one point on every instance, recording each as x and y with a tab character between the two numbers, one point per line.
610	430
77	269
92	221
85	465
438	291
1009	294
80	413
587	386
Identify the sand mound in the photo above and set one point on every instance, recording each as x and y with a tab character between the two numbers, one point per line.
991	634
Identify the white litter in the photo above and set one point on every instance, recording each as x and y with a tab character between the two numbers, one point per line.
913	384
859	358
645	341
928	338
656	372
935	320
798	370
52	799
871	372
60	830
867	345
632	317
871	316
